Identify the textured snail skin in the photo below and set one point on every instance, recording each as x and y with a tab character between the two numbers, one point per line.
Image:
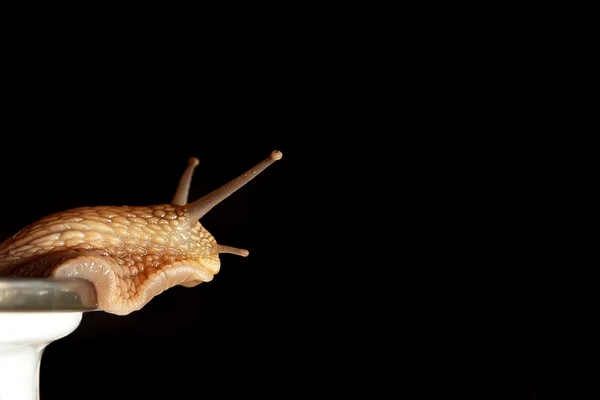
130	254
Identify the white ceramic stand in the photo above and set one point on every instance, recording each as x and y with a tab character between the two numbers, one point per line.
23	338
34	313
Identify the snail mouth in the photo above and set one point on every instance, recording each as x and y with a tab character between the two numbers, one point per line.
122	293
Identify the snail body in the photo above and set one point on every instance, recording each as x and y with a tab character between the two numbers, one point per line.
130	253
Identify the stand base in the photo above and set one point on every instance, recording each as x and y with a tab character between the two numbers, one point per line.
23	338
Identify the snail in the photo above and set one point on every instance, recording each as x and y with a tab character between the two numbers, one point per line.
130	253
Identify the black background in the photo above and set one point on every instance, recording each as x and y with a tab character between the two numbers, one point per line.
272	323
